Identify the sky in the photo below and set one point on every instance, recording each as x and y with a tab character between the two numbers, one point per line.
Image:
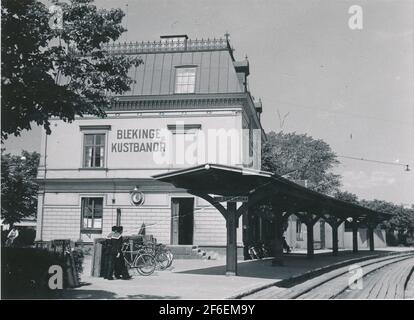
353	89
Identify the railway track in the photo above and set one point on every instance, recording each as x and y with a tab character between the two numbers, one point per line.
389	277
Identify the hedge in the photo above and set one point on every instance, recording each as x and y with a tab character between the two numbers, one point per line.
25	272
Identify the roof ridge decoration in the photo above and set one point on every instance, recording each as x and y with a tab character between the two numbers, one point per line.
166	46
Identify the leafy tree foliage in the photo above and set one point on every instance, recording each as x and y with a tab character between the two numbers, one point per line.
18	186
62	72
346	196
402	220
300	157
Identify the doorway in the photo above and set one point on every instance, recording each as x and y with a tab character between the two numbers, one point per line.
182	221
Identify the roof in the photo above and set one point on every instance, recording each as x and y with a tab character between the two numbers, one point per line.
213	58
217	78
237	181
215	72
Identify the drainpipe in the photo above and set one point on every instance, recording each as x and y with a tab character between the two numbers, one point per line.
44	190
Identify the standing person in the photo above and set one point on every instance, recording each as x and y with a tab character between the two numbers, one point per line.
285	245
11	237
120	268
111	252
115	265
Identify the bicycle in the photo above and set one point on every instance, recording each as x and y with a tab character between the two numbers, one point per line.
139	260
162	255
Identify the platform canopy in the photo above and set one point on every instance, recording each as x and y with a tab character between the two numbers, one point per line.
230	181
219	183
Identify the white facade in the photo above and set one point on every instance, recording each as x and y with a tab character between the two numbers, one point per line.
188	105
296	236
67	181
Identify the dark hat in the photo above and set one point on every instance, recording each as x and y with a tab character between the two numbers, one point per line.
114	228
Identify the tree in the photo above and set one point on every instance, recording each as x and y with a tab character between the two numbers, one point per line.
18	186
402	219
300	157
346	196
58	72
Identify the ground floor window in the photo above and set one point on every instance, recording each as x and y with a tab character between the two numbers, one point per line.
92	212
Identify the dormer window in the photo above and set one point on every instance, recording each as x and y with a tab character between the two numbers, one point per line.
185	79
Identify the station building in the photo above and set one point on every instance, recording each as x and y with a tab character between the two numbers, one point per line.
189	100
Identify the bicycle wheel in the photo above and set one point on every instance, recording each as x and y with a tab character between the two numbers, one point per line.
170	257
131	268
145	264
163	260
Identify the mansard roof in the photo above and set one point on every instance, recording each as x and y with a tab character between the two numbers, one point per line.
213	59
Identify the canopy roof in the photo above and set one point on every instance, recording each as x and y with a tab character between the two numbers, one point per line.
260	185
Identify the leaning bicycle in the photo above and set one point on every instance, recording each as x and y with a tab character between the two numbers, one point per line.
139	260
161	254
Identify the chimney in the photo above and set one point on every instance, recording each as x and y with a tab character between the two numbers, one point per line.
258	106
175	40
242	70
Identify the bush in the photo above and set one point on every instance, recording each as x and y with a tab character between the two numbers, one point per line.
410	242
26	237
78	257
25	272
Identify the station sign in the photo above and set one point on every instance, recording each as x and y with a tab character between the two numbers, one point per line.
232	199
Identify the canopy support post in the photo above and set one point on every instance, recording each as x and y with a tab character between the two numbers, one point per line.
371	227
371	238
309	240
354	236
334	240
231	250
309	222
278	246
334	222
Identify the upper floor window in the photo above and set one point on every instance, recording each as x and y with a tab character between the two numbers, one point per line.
185	79
93	150
92	212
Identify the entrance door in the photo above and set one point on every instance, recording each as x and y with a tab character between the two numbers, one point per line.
182	224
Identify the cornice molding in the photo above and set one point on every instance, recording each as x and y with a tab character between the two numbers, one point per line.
177	101
105	185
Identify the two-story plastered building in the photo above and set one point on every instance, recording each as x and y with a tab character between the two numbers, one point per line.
189	104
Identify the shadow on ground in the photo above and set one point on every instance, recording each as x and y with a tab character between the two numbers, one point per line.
150	297
102	294
88	294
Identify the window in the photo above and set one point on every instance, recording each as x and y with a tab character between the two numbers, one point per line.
184	140
92	209
185	80
93	150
